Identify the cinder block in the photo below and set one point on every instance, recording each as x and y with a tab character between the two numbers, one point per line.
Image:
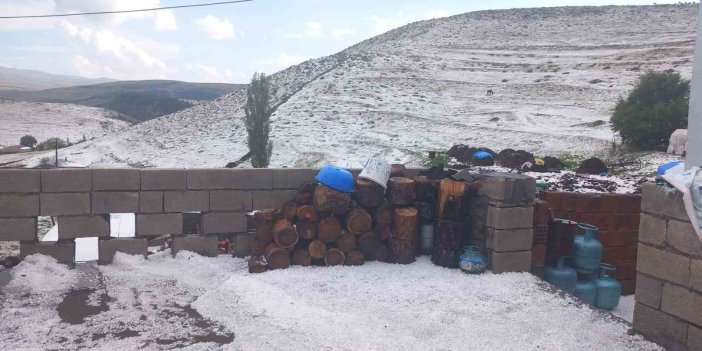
510	217
649	291
682	303
83	226
660	327
694	338
663	264
163	179
224	222
159	224
696	275
292	178
218	178
251	178
619	254
62	251
657	201
132	246
115	202
19	205
243	244
501	262
510	239
507	187
184	201
271	199
66	180
151	202
20	181
116	179
652	230
65	204
682	237
230	200
203	245
19	229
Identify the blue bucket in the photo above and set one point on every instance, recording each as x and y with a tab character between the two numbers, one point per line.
336	178
482	154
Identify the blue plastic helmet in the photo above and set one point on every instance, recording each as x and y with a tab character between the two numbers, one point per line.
336	178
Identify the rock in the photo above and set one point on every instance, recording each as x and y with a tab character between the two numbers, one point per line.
592	166
553	164
514	159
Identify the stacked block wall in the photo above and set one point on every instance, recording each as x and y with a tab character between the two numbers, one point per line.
668	306
617	216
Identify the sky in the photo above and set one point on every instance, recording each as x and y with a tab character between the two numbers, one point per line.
225	43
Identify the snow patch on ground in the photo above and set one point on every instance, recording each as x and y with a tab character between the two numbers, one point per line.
39	274
625	309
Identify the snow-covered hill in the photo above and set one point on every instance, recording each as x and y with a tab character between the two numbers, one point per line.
424	86
48	120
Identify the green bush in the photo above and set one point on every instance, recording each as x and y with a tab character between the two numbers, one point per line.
52	143
28	141
653	110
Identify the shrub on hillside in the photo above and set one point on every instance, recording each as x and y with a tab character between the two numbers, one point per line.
52	143
653	110
28	141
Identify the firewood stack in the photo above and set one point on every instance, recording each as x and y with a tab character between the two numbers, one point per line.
323	226
449	235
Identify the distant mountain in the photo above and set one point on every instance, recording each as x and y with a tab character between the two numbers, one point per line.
142	100
25	79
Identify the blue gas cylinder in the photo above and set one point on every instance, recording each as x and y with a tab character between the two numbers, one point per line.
585	288
608	288
561	275
472	261
587	250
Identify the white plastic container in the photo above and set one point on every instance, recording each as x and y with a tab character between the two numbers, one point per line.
377	171
696	194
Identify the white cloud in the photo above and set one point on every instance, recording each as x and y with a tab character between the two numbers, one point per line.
67	6
283	60
205	73
165	21
313	29
24	8
341	32
216	28
384	24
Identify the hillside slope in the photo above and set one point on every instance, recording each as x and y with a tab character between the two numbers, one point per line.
25	79
423	87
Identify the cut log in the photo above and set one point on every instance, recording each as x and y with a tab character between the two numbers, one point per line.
401	191
329	229
305	193
284	234
263	220
301	257
306	230
401	251
405	224
258	264
449	235
358	221
450	204
368	242
380	254
334	257
307	213
257	247
397	170
329	200
445	258
347	242
317	249
383	213
383	231
369	193
354	258
277	257
289	210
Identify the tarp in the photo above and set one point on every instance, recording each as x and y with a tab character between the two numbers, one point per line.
682	181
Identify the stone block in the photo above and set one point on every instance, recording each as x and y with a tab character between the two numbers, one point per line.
116	179
185	201
19	205
159	224
501	262
251	178
663	264
230	200
62	251
657	201
20	181
132	246
243	244
510	239
660	327
202	245
66	180
18	229
65	204
163	179
682	303
292	178
151	202
217	178
694	338
115	202
83	226
682	237
696	275
649	291
224	222
271	199
507	187
510	217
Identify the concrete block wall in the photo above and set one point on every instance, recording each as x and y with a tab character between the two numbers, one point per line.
617	216
668	306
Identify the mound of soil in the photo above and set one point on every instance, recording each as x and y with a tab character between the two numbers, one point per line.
592	166
514	159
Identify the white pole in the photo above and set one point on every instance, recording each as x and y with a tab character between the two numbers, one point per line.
694	116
